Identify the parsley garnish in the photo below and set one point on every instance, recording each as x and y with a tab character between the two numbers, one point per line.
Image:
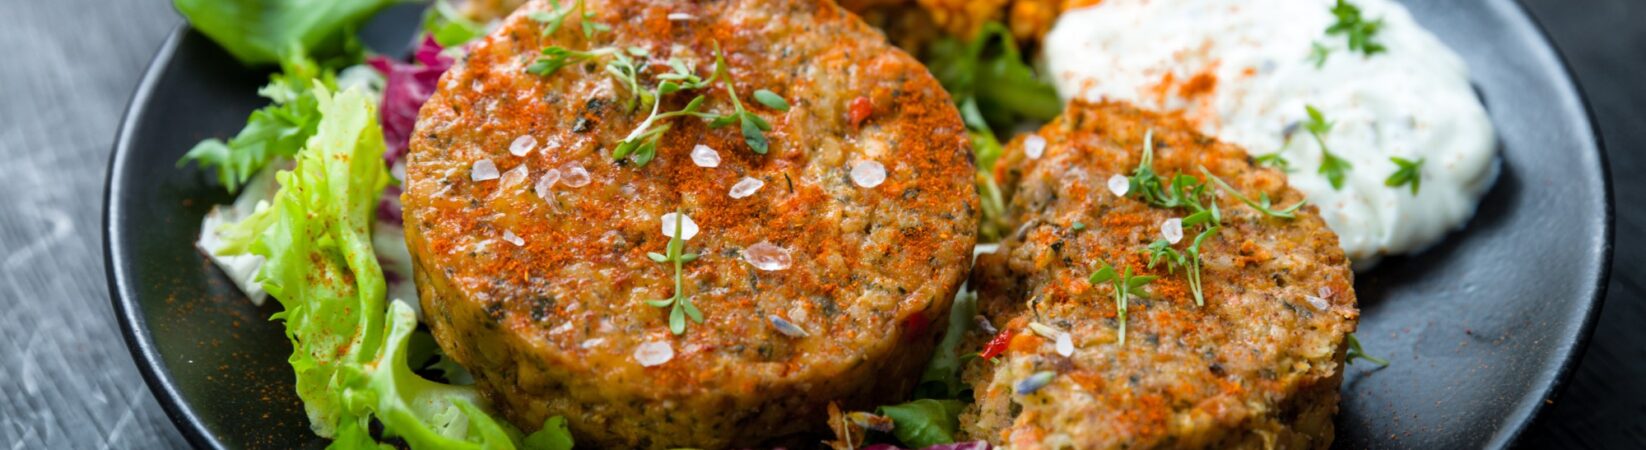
754	127
1331	166
1355	352
1318	54
1122	284
1408	173
1361	32
680	305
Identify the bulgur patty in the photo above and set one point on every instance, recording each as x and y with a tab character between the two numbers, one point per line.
1258	366
540	287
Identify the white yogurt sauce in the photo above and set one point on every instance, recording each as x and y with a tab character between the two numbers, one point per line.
1411	101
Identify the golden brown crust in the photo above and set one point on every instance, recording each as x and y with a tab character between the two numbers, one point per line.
551	326
1256	367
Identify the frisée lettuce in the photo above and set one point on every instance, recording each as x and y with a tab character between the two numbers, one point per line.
349	343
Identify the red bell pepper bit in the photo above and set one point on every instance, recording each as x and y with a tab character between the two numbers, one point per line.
998	345
859	110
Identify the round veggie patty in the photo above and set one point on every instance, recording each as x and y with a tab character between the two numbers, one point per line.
820	270
1258	366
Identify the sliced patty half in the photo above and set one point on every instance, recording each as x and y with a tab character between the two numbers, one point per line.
544	297
1258	366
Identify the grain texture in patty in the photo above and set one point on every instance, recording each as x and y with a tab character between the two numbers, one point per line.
552	324
1257	367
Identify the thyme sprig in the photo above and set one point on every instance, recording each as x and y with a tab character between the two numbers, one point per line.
680	306
1122	282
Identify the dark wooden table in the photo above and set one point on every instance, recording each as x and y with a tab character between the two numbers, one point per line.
68	68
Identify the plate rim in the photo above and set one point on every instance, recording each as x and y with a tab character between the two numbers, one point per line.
139	341
134	330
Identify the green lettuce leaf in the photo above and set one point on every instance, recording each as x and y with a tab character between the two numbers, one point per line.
275	131
941	379
265	31
925	422
349	347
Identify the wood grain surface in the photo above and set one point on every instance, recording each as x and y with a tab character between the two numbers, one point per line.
67	381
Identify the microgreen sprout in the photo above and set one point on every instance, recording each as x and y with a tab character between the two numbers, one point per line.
1318	53
680	306
754	128
555	18
1361	32
1122	283
1408	172
1355	352
1262	204
1331	165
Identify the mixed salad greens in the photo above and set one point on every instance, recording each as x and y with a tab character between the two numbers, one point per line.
318	226
317	233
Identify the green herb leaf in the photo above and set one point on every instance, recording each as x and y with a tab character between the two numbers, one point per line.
941	380
924	422
1289	212
1275	160
1361	32
1333	167
771	100
1408	172
1355	352
753	136
1318	53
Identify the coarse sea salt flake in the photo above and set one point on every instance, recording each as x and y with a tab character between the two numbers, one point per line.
703	156
688	228
653	353
680	16
514	177
868	174
575	176
1172	230
483	170
1034	146
513	238
746	187
522	145
545	184
1065	344
1120	185
787	328
767	257
1317	302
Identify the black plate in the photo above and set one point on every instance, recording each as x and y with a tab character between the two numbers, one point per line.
1481	329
